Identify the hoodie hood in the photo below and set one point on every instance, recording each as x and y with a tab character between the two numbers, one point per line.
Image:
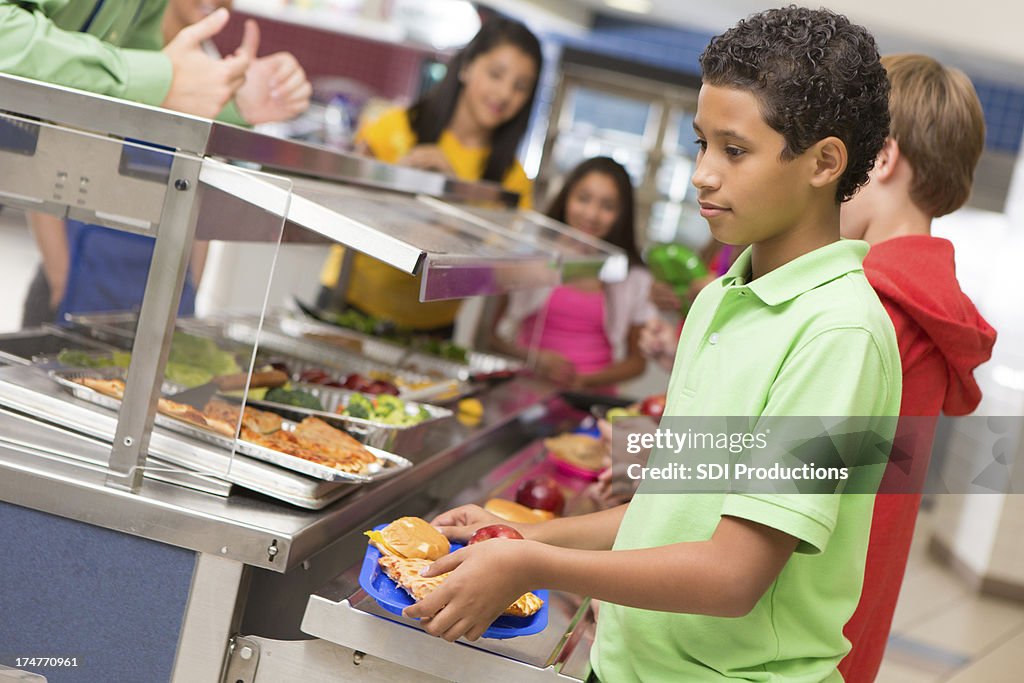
915	277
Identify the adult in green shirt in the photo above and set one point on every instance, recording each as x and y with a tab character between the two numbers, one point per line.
149	51
117	49
739	584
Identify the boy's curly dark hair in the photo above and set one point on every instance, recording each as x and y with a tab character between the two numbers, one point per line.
815	75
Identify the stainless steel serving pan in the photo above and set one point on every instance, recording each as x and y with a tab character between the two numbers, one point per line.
387	464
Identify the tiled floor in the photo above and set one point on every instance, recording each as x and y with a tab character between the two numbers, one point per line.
945	633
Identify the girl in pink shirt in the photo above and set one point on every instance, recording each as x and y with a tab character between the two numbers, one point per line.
584	333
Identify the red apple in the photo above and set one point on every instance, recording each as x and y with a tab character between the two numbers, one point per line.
653	406
486	533
541	494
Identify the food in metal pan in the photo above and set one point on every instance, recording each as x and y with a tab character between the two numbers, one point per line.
191	361
294	397
313	439
332	442
108	387
187	413
383	408
259	421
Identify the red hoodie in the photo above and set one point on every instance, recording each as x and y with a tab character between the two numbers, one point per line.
942	339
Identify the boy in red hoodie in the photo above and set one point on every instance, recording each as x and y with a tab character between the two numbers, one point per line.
924	171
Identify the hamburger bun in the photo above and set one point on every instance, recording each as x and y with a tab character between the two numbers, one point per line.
512	511
410	537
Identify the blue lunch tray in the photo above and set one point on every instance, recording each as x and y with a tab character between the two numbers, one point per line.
394	599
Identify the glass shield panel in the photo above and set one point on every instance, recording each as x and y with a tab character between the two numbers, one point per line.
216	375
454	254
301	436
580	254
546	318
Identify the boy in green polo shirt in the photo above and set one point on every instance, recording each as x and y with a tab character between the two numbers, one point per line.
725	586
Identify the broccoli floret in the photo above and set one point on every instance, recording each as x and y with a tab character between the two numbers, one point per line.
359	406
392	418
388	405
294	397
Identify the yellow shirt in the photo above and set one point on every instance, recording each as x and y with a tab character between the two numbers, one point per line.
377	288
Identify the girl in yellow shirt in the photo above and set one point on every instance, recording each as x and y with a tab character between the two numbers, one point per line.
468	126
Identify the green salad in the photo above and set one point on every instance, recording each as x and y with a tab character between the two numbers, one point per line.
383	408
192	360
387	330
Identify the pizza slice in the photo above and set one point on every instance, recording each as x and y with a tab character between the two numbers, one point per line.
406	573
181	411
334	443
107	387
260	421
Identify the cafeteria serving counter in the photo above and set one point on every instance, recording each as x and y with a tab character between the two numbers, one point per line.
245	588
137	553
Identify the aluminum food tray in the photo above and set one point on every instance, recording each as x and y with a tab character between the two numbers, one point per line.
392	464
30	391
370	432
399	355
333	398
119	327
302	355
23	346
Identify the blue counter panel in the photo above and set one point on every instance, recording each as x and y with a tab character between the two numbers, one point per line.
70	589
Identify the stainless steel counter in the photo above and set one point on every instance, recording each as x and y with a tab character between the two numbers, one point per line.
245	527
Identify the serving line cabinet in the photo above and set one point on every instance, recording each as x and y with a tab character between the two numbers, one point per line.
143	555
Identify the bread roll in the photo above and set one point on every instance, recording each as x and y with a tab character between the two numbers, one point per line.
514	512
410	537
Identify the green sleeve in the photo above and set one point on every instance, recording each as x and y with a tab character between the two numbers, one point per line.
230	114
838	372
33	47
147	33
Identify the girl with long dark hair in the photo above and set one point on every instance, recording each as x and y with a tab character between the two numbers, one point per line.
468	126
586	331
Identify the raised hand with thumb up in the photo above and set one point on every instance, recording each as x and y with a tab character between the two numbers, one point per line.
201	84
276	87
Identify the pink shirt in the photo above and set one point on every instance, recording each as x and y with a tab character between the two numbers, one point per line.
573	325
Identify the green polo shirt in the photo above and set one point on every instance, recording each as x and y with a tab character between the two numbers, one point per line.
108	47
808	339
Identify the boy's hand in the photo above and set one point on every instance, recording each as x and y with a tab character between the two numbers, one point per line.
462	522
486	578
